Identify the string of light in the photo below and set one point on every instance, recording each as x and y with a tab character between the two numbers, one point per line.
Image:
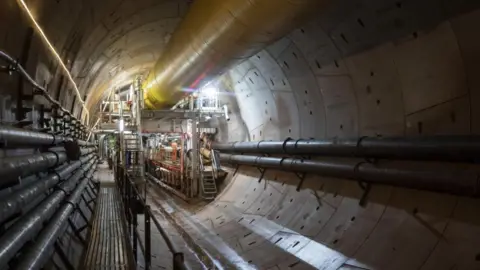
57	56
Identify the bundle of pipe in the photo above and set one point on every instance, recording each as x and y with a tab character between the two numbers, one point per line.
448	178
11	168
449	148
18	136
14	202
36	255
85	143
27	226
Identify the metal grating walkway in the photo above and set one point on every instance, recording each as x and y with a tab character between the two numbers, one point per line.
107	247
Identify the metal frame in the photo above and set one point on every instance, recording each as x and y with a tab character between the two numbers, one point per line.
134	204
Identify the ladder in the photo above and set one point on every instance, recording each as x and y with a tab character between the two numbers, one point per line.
133	154
209	187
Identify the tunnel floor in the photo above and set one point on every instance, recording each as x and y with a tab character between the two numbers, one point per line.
108	248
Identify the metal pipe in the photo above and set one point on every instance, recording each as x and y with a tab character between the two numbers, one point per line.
12	168
85	143
451	148
15	201
215	35
18	136
445	178
29	224
85	151
38	254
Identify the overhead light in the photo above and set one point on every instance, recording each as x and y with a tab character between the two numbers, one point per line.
54	52
209	91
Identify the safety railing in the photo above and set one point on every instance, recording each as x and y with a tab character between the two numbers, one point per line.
215	162
134	205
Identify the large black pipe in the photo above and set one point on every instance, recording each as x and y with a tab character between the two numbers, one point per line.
30	224
18	136
15	201
446	178
88	150
85	143
449	148
38	254
12	168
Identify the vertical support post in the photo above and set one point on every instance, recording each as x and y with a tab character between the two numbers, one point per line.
134	234
148	239
54	116
19	111
41	118
73	124
129	201
195	158
140	156
110	107
66	125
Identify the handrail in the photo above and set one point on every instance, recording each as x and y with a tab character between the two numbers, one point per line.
38	89
202	167
134	204
215	163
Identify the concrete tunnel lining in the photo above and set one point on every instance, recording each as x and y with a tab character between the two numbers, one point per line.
377	68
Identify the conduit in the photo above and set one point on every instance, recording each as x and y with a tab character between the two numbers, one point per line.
452	148
17	136
416	175
30	224
12	168
37	255
85	143
15	201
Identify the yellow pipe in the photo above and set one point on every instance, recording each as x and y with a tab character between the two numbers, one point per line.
214	35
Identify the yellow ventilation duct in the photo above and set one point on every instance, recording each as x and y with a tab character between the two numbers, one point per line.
214	35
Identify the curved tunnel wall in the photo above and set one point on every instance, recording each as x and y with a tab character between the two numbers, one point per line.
362	76
363	68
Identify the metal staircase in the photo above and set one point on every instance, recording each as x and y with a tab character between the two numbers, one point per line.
133	151
207	180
